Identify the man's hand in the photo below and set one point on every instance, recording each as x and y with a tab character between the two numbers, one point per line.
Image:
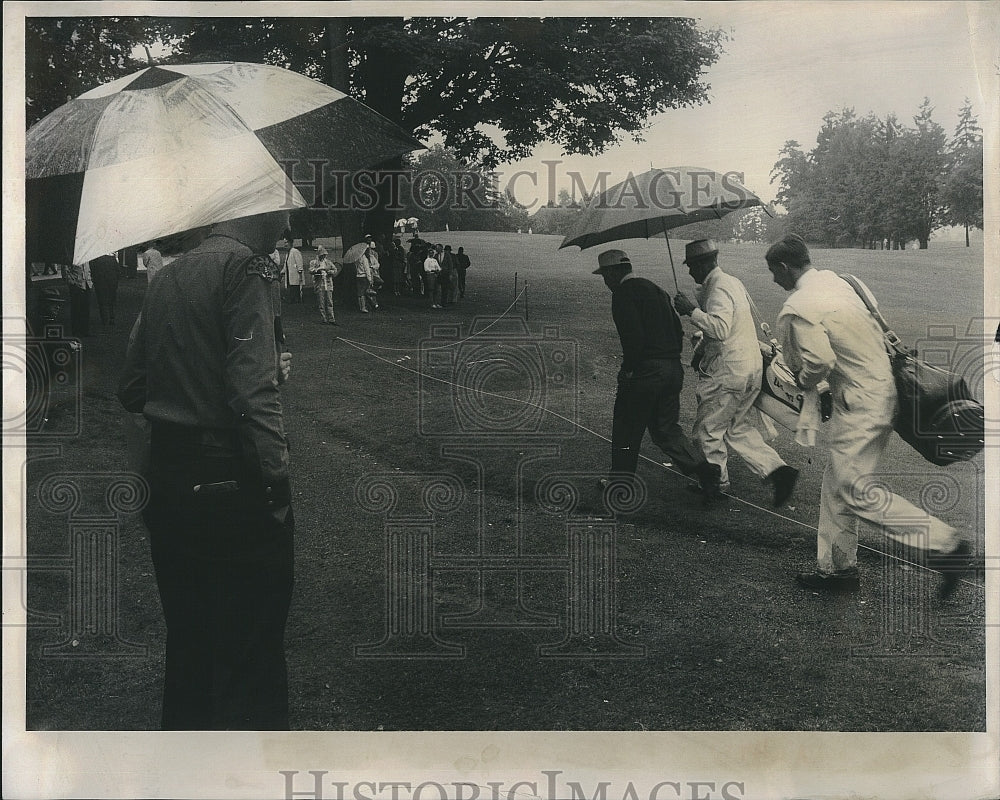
684	304
284	367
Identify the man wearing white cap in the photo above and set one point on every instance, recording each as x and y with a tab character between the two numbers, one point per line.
323	271
729	372
651	376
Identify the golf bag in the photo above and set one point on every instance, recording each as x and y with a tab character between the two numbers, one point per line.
780	397
937	414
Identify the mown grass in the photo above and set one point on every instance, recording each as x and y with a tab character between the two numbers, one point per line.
730	642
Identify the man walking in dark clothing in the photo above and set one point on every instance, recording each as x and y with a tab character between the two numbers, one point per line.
651	375
462	264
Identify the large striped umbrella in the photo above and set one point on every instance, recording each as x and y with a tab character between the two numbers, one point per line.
656	201
168	149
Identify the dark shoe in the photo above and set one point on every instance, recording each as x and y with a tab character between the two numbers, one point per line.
952	567
708	480
783	481
695	488
843	580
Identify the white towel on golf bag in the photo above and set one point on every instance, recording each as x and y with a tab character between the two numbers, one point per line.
810	419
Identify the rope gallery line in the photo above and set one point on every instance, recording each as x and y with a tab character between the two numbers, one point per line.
669	468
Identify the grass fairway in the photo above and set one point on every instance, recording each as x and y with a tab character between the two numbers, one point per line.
703	627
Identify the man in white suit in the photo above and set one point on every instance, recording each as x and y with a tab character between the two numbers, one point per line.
729	373
828	334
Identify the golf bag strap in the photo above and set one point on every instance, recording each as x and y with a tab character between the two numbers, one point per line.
760	325
892	340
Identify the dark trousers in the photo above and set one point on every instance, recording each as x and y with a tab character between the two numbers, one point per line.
224	569
446	287
106	290
79	311
460	272
650	400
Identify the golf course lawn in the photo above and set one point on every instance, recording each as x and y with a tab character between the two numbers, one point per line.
463	436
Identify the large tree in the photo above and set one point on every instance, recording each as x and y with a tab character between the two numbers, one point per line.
962	189
868	181
66	57
491	88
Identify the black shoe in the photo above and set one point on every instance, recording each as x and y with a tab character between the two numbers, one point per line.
843	580
783	480
952	567
708	480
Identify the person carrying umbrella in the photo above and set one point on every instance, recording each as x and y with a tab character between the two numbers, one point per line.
729	372
651	375
203	366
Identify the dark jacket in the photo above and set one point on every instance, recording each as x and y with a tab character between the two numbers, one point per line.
204	353
647	324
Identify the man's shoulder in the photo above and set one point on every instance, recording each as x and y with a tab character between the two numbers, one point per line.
637	285
223	252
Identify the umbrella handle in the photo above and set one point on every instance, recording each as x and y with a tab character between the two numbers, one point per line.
670	253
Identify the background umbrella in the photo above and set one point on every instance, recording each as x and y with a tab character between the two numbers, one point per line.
355	253
652	203
172	148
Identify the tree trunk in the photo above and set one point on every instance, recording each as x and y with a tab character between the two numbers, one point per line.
335	36
381	78
966	235
923	242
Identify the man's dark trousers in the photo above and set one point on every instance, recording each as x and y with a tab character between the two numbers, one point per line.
224	568
650	399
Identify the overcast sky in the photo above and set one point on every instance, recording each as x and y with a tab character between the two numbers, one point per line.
785	66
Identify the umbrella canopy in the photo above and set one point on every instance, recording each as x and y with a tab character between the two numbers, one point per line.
652	203
172	148
355	252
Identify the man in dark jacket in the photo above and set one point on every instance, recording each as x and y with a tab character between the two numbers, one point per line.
651	375
203	366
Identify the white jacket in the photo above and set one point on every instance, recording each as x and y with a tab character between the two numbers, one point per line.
730	344
828	334
293	267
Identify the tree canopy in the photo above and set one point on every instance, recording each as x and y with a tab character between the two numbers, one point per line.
962	189
492	88
874	182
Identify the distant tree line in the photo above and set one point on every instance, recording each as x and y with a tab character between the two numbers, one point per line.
876	183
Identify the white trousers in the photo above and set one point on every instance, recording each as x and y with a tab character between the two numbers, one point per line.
851	491
724	420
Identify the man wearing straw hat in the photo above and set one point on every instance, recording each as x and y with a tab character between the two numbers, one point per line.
729	372
651	375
